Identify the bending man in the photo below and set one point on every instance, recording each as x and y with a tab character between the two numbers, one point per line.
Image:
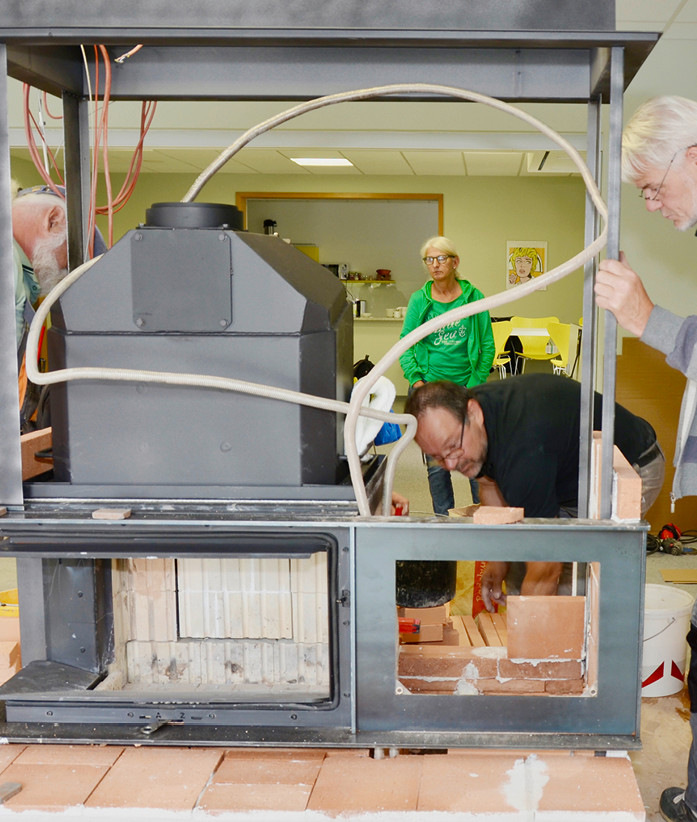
520	437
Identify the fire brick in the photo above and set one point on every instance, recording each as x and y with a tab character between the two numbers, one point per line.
497	515
541	627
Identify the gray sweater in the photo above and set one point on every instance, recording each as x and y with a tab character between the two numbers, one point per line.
676	337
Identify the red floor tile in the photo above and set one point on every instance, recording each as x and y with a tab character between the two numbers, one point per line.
52	787
248	768
167	778
95	755
222	797
356	784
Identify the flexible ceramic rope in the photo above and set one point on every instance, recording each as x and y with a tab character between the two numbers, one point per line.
483	305
355	407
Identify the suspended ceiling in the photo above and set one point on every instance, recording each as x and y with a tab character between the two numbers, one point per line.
383	138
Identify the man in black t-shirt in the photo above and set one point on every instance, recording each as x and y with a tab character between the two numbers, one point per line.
520	438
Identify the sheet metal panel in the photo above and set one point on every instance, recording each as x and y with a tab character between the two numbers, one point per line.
29	15
366	630
614	710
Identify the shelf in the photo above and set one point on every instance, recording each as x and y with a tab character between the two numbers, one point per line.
378	319
370	282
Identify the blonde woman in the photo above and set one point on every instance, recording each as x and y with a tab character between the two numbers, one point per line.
461	352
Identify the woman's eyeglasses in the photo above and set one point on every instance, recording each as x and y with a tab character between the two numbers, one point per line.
441	258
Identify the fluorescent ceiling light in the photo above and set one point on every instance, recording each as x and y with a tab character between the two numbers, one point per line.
321	161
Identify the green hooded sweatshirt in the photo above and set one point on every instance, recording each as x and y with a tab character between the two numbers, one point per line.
461	352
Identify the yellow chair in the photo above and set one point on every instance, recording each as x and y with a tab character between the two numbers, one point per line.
502	331
534	345
561	337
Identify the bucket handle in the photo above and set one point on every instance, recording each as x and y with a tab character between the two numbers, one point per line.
672	622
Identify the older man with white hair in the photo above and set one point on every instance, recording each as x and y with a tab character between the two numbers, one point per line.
39	230
659	156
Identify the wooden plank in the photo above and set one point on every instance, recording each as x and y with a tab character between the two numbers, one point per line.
686	576
435	615
499	621
30	444
475	637
459	627
487	629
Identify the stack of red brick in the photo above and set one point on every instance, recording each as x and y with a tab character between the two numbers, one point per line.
537	648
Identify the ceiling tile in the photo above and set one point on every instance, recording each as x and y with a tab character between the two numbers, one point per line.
688	13
683	31
493	163
655	10
332	171
435	162
268	161
369	161
194	159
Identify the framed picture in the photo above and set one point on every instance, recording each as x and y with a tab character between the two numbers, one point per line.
525	259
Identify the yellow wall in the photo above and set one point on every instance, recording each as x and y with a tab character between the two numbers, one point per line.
480	215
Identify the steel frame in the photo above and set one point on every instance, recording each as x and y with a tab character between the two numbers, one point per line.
365	708
287	52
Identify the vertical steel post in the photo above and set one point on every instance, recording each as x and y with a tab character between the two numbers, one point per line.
613	248
77	178
589	333
10	454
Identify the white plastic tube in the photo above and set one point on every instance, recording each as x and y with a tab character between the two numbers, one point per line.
355	407
486	304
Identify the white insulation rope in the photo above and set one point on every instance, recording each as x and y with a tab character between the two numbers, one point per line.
355	408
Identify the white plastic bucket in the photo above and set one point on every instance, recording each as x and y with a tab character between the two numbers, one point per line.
666	623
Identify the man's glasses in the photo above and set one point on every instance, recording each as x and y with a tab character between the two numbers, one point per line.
455	453
648	192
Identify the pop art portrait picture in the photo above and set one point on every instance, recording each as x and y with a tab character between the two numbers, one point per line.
525	259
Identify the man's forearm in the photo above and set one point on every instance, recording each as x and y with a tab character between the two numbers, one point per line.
541	579
490	493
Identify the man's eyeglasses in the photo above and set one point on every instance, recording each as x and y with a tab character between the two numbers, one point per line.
455	453
43	189
648	192
441	258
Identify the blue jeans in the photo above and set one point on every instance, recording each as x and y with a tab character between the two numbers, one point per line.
691	790
441	486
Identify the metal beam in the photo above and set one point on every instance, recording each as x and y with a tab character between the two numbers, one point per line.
206	16
613	250
53	70
589	337
10	456
273	64
77	175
